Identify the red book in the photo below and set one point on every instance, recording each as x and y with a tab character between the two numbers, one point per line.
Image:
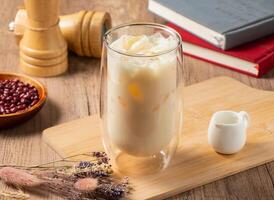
254	59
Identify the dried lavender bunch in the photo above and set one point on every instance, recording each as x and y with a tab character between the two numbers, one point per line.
73	180
88	169
111	191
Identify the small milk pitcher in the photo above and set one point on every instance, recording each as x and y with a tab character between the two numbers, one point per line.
227	131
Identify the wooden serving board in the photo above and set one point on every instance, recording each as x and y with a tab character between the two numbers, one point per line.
195	162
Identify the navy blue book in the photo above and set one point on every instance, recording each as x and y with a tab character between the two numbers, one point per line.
223	23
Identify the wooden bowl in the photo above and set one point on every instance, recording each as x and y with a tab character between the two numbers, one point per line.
13	119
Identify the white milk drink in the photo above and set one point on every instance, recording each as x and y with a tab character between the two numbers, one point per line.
141	89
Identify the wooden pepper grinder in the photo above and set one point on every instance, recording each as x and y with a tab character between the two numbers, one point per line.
82	30
43	50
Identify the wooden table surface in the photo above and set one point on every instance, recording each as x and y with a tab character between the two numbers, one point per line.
75	95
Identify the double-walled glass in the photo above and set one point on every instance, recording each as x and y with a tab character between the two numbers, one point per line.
141	101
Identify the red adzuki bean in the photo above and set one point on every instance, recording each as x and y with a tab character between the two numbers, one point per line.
16	96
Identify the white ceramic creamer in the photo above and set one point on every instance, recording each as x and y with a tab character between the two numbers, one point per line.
227	131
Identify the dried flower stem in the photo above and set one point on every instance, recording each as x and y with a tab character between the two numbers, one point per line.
40	166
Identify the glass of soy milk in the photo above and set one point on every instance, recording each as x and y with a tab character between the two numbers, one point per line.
141	96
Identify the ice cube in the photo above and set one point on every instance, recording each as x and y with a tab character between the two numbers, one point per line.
129	40
142	44
156	36
163	44
172	42
119	43
160	46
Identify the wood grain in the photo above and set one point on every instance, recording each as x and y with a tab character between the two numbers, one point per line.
75	95
195	162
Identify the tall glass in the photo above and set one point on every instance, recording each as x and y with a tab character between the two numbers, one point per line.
141	101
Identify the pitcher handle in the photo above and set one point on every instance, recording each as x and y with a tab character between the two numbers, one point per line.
245	117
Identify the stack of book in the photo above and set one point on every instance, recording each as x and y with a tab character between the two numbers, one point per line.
235	34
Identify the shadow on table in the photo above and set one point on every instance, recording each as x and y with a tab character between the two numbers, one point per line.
46	117
82	65
269	75
38	193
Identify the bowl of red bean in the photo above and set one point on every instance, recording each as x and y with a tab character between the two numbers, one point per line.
21	97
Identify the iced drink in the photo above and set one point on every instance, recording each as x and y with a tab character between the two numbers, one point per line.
141	93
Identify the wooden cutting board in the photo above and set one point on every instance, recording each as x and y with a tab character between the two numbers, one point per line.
195	162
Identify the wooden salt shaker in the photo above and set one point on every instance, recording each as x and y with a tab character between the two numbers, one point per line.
82	30
43	50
